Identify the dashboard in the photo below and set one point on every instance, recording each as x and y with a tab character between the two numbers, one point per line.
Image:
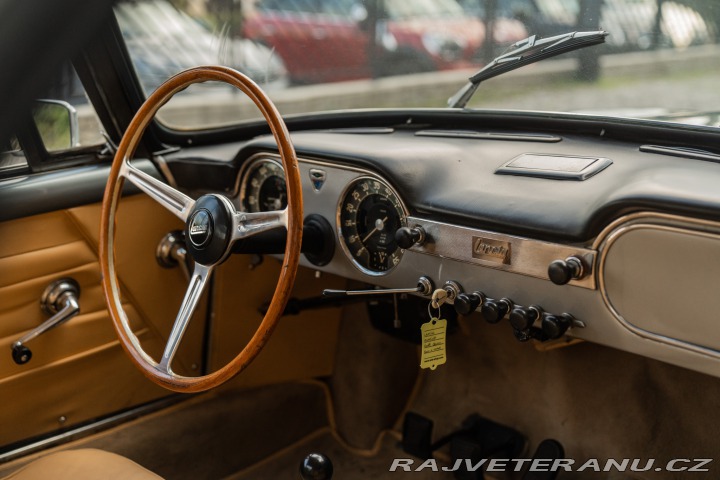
556	230
555	237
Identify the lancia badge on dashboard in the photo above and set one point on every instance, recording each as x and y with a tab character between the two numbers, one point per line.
491	250
317	177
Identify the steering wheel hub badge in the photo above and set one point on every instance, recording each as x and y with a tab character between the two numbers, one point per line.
209	229
200	228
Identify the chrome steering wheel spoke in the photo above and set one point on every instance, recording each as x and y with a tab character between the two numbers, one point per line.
176	202
247	224
198	281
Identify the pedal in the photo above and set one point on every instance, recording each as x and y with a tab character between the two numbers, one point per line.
417	435
469	451
547	450
482	438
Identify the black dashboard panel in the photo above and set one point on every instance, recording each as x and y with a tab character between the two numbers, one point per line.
453	178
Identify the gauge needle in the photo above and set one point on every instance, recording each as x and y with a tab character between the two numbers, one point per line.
379	225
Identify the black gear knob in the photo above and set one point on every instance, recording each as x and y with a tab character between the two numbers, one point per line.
316	467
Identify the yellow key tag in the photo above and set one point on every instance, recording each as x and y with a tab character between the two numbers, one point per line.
433	343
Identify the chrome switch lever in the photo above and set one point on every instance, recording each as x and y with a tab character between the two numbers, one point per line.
60	299
424	287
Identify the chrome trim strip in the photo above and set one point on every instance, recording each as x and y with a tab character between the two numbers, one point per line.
524	256
91	428
651	221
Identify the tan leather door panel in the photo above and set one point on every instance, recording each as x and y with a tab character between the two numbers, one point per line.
78	371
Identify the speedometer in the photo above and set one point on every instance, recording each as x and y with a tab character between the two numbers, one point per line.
368	217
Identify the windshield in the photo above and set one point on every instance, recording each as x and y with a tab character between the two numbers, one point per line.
660	61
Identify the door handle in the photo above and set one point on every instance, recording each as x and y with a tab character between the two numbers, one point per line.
60	299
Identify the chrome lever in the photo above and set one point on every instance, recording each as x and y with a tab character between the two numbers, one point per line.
60	299
424	287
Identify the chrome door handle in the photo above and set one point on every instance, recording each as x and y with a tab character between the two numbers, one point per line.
60	299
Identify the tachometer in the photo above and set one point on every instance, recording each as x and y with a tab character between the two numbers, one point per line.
263	187
368	216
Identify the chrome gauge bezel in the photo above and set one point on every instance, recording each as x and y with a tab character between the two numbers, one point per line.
338	223
248	169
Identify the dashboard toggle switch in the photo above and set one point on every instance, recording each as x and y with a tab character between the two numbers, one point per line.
408	237
495	310
555	326
522	318
561	272
467	303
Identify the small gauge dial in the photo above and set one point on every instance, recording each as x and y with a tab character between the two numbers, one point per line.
263	187
368	216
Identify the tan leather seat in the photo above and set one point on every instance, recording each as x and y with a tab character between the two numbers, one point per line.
85	464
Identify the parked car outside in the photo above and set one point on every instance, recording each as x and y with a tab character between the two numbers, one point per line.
329	40
632	23
162	41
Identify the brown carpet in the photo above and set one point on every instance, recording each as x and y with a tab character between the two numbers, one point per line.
347	464
597	401
221	435
374	375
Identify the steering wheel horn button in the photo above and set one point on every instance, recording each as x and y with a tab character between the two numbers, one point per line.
209	229
200	228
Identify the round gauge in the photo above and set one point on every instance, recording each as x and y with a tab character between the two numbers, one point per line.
263	187
368	217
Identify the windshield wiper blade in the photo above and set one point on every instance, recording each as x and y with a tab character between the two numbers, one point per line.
523	53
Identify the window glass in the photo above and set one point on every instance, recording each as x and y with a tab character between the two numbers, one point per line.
64	117
66	98
660	61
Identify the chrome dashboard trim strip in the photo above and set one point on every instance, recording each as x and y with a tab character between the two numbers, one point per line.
657	221
501	252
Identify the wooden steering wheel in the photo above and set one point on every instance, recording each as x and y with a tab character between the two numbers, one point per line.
212	225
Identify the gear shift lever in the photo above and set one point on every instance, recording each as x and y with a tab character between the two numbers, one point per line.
316	467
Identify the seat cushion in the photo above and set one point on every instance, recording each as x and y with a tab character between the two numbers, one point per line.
84	464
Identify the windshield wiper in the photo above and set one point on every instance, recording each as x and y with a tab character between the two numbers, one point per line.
523	53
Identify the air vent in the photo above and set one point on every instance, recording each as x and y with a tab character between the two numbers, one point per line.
559	167
518	137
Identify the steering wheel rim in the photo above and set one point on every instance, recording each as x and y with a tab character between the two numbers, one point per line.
225	225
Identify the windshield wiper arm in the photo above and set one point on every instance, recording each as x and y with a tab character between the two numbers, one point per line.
523	53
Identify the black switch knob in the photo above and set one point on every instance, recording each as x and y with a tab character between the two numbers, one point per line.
316	467
21	354
562	271
407	237
522	318
467	303
495	310
555	326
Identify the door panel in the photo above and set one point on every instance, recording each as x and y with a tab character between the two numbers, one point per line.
78	371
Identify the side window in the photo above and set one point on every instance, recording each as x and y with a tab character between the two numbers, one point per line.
64	118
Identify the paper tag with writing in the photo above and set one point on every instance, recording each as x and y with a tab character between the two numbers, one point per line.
433	343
